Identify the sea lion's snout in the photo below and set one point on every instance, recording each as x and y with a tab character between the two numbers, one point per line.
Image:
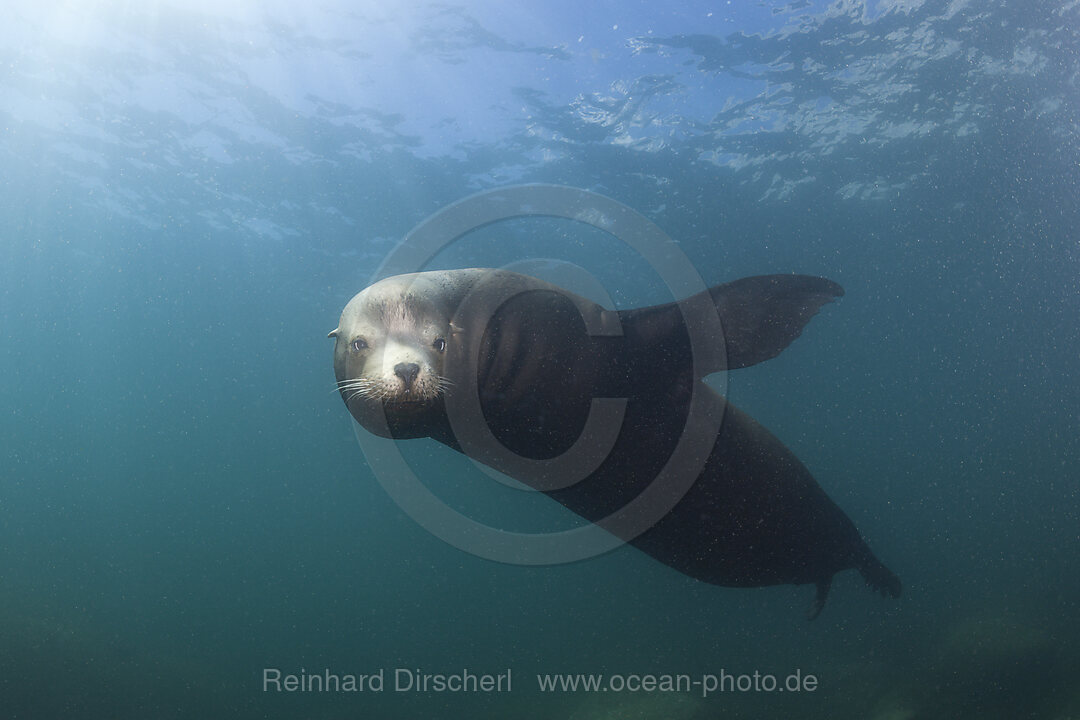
403	367
407	372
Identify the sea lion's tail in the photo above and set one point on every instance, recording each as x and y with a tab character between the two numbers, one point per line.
879	577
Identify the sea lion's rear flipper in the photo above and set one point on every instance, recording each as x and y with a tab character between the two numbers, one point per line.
879	577
760	316
819	599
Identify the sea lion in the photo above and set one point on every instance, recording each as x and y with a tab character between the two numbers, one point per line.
507	369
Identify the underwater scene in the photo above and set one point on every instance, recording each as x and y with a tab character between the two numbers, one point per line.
812	267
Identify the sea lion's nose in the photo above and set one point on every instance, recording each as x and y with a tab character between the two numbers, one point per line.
407	372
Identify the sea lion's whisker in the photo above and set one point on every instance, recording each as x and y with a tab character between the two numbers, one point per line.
352	385
362	392
353	381
343	388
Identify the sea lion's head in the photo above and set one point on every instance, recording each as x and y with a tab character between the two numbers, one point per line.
406	342
391	346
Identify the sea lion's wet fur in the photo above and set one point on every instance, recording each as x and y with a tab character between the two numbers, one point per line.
400	315
754	516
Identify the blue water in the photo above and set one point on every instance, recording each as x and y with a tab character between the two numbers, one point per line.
191	191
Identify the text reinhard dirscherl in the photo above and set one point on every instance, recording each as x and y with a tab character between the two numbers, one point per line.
408	680
401	680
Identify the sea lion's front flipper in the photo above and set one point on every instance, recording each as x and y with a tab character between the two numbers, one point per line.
764	314
819	598
760	315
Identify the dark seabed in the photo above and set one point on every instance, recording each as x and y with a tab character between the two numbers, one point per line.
191	191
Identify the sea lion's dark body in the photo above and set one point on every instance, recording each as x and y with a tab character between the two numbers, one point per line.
754	516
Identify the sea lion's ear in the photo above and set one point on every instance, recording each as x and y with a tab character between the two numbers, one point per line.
333	333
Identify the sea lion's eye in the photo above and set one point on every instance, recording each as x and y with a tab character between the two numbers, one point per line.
439	344
359	344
